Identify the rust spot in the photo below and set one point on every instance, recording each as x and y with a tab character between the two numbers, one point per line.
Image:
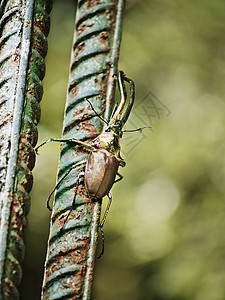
68	256
43	25
28	24
79	116
5	119
79	49
89	127
96	80
29	136
85	238
74	91
16	55
18	220
81	28
25	180
103	36
78	112
111	13
109	65
40	42
80	190
85	117
26	152
104	80
61	221
91	3
75	256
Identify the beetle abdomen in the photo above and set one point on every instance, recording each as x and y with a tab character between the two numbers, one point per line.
100	173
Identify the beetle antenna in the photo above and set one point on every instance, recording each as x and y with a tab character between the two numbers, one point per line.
138	129
96	112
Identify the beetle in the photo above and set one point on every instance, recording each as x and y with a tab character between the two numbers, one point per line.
104	159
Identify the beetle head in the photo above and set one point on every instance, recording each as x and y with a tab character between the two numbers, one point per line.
116	128
107	140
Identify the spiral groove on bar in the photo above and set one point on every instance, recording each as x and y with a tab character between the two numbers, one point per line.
23	29
71	251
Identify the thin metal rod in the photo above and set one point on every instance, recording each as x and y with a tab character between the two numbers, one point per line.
18	128
94	60
15	134
115	56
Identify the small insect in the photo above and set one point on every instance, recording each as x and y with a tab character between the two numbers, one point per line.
101	168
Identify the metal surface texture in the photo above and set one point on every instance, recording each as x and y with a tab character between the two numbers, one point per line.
71	251
23	29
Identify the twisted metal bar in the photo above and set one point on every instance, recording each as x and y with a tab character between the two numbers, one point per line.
71	251
21	71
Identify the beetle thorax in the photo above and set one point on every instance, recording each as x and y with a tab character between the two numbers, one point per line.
108	141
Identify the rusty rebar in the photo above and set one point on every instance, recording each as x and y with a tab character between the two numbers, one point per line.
71	251
23	29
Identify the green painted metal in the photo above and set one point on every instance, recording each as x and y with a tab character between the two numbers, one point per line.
71	253
23	29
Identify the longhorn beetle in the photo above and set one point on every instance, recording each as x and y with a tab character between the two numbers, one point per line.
104	159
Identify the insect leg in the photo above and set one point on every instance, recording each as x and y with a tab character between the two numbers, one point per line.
102	224
131	98
110	201
138	129
103	243
105	215
123	94
71	140
107	210
120	177
74	201
60	181
122	162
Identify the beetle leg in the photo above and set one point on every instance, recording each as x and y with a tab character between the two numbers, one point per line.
74	201
105	215
131	100
123	94
120	177
107	210
60	181
103	222
103	243
138	129
122	162
71	140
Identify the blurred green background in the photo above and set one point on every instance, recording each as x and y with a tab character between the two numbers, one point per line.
165	229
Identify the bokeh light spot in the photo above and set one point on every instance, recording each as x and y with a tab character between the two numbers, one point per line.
157	200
